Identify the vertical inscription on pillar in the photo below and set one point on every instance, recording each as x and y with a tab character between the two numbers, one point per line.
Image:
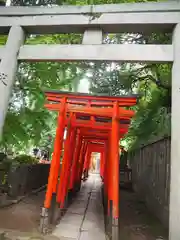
3	78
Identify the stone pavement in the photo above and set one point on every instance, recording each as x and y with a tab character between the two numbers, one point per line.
136	223
84	219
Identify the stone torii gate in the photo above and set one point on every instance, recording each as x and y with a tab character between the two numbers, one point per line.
92	21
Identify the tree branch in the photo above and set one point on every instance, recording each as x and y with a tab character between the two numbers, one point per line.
155	80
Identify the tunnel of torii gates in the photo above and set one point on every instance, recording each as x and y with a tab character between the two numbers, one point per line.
93	21
93	124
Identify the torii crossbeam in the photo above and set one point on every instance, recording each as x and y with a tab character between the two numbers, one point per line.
148	17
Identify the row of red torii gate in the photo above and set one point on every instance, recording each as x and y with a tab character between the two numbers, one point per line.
93	124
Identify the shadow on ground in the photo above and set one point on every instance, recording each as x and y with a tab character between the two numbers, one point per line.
23	216
136	223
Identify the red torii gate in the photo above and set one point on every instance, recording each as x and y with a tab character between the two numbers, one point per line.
93	123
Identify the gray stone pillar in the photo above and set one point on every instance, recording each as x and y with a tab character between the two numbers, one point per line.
90	37
174	207
8	67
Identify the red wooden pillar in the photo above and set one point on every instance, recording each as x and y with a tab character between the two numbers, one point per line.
79	162
57	167
87	161
115	171
110	176
75	161
63	171
107	188
68	155
87	157
106	171
102	164
82	160
60	192
77	180
55	163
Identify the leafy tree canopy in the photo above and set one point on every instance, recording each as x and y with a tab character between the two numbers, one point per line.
29	124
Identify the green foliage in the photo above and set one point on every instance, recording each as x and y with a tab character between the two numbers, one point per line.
2	3
152	120
2	156
70	2
25	159
153	84
29	124
151	81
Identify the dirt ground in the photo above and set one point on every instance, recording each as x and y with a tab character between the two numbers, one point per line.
23	216
136	223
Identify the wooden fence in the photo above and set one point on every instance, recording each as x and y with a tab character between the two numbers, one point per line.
151	176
